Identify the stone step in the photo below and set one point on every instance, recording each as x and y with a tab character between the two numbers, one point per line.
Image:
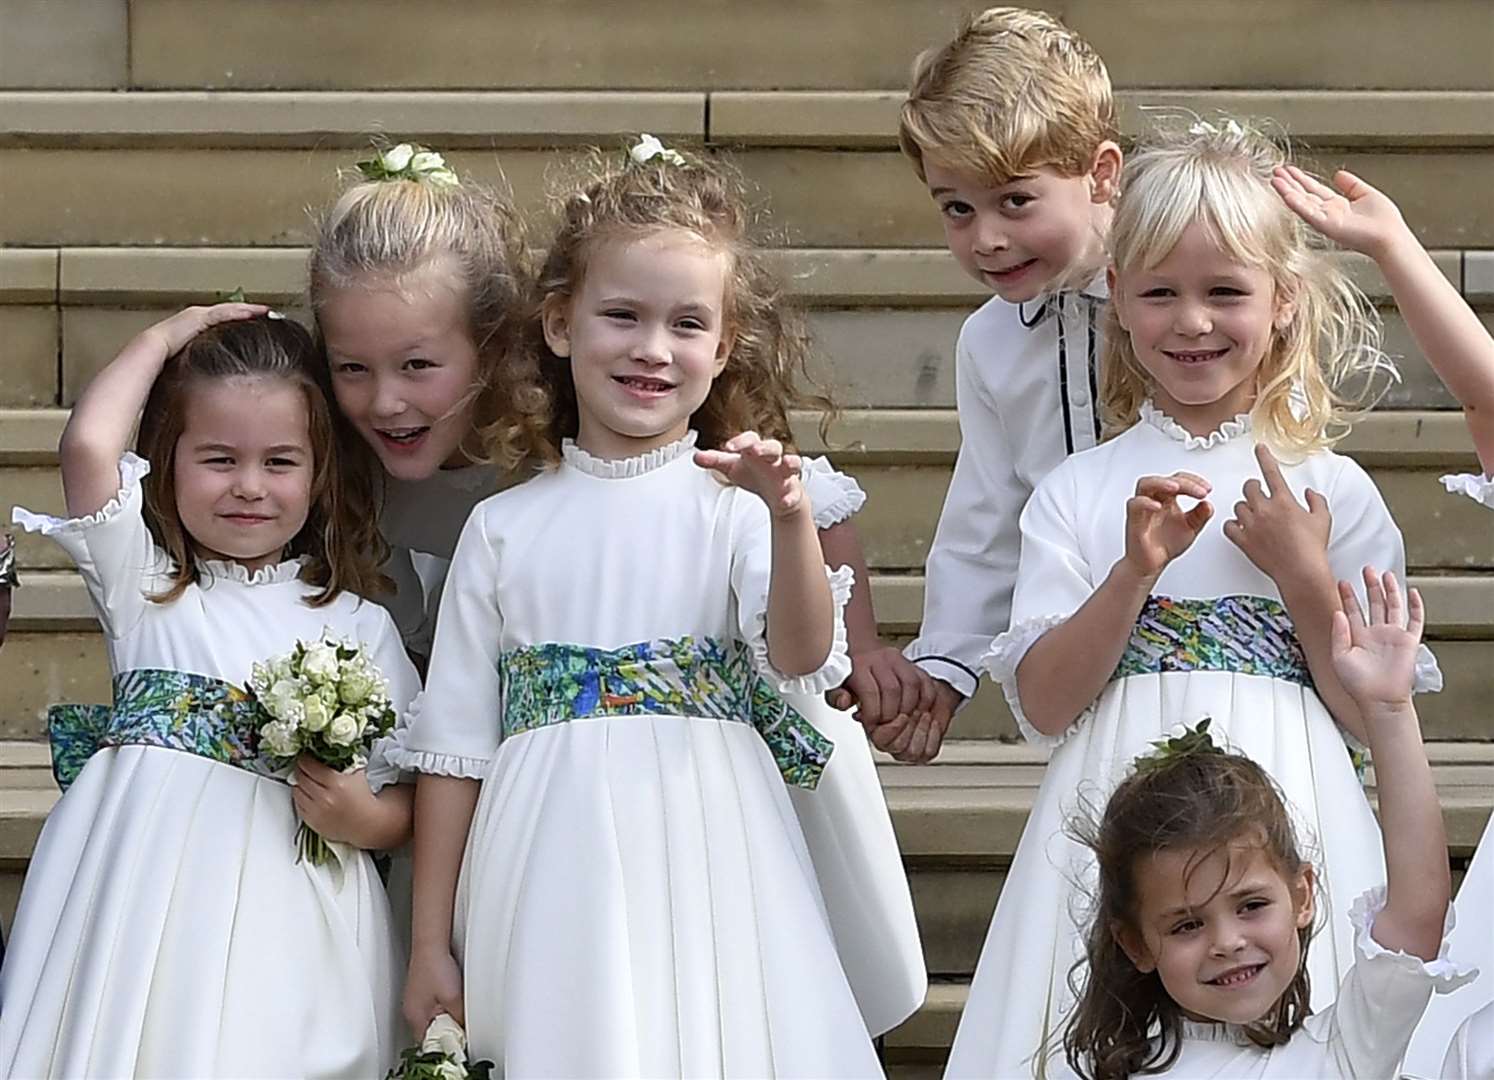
819	197
885	320
856	44
55	653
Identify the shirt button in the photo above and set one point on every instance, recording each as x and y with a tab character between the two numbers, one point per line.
1079	399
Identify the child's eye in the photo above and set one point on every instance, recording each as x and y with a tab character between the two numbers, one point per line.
691	324
1016	201
1228	291
619	315
1257	904
1158	292
419	363
283	463
956	210
1187	926
349	367
217	461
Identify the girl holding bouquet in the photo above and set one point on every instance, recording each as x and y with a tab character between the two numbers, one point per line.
167	926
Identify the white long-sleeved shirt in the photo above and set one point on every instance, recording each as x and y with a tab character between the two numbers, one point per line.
1026	387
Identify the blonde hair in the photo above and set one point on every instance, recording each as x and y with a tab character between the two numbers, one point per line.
622	199
394	229
1219	175
1014	91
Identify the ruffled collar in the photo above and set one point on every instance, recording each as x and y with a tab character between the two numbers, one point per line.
273	574
1230	429
624	468
1215	1031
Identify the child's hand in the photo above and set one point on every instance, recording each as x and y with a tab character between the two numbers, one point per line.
917	739
433	986
172	334
882	685
1157	529
1287	543
1376	660
763	468
1356	216
338	805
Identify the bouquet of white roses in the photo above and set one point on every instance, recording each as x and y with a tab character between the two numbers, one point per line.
327	700
441	1055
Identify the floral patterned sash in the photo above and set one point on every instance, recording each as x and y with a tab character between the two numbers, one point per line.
1248	635
177	710
554	683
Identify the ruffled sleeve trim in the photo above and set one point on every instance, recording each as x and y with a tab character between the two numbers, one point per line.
837	666
1478	488
835	496
132	469
1428	676
1001	661
393	755
1445	973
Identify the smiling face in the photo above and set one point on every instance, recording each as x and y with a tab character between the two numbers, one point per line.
645	335
1200	324
404	368
1020	237
1220	929
243	467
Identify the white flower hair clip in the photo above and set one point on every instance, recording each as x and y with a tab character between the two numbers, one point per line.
649	148
408	161
1203	127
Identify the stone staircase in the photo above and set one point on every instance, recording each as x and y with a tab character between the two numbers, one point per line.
159	152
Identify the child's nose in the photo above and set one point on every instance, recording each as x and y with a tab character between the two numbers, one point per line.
990	235
651	346
388	400
1194	320
249	483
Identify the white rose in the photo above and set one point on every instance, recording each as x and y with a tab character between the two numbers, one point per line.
284	700
317	715
427	161
320	663
343	730
279	738
396	158
445	1036
357	686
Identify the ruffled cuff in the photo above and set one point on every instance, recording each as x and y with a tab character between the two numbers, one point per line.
837	666
1478	488
833	495
1001	661
397	757
1445	973
1428	676
132	469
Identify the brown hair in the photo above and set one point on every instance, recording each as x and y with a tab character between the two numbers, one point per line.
622	199
1204	801
340	540
389	230
1219	173
1015	90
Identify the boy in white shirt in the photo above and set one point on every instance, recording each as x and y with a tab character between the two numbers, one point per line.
1012	127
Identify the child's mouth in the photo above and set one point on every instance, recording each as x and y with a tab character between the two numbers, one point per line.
402	438
643	386
1238	977
1200	356
1011	273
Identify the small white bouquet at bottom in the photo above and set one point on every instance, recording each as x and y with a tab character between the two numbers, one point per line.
324	699
441	1055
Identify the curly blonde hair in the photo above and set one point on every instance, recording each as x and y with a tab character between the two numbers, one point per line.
622	199
1219	174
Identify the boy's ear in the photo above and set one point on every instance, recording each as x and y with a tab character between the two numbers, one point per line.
1133	946
1104	173
555	317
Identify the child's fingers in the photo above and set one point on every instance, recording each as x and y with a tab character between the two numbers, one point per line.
1199	516
1191	484
1350	185
888	732
1374	593
1395	602
1316	503
1416	618
1349	601
1271	470
928	694
1310	183
1254	493
718	460
919	742
740	441
1342	640
840	698
1140	504
1157	487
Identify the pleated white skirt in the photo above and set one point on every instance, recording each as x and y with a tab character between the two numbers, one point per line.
166	930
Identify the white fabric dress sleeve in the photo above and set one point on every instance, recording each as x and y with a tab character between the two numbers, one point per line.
1470	1056
833	495
112	547
1364	534
751	574
972	565
1053	581
1478	488
454	726
1382	997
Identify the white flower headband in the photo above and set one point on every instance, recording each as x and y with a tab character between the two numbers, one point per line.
409	162
649	148
1203	127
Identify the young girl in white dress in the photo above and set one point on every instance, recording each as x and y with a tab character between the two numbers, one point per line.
600	725
1135	609
166	927
415	280
1198	948
1460	350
